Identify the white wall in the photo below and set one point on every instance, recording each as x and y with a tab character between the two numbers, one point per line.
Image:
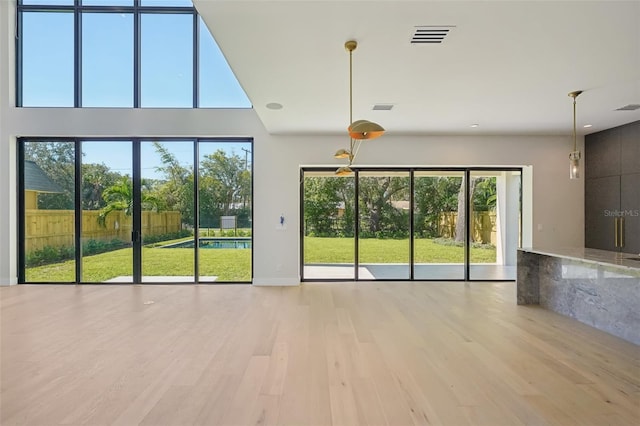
7	154
558	203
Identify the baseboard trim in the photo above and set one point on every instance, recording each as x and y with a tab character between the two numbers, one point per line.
12	281
291	281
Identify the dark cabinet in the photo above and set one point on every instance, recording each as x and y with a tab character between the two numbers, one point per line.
612	189
629	221
630	148
602	201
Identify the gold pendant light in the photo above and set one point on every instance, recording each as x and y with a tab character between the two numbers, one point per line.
358	130
574	156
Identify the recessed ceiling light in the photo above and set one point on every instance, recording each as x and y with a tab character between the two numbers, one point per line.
474	126
586	126
274	105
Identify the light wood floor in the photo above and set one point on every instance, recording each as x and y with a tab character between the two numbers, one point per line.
319	354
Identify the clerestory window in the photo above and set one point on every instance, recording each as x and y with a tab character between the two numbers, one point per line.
122	54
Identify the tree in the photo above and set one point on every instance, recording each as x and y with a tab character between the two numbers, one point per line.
95	179
119	197
485	194
324	198
434	195
462	211
378	216
176	191
482	192
225	186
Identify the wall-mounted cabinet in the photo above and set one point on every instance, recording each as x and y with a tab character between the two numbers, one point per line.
612	189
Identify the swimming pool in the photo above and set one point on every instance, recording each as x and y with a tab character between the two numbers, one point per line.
214	243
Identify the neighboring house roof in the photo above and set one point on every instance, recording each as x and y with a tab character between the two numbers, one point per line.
35	179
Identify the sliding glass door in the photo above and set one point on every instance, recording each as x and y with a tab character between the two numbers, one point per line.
383	225
328	225
225	211
410	224
135	210
107	211
48	219
495	233
438	235
166	208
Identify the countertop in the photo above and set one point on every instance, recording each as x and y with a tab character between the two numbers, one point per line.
602	257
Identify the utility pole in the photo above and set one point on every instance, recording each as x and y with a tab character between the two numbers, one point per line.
246	153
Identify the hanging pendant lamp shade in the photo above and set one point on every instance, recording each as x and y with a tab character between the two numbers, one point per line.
341	153
365	129
344	171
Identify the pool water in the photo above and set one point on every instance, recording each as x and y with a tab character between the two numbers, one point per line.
214	243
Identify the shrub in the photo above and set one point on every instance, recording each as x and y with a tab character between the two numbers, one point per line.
452	242
48	255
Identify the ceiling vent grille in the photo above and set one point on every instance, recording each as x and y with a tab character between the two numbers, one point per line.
630	107
382	107
430	34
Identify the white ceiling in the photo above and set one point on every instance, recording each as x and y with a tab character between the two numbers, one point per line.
507	65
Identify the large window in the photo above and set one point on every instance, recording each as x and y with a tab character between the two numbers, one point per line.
120	53
410	224
135	210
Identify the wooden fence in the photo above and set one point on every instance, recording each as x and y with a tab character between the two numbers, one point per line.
484	226
55	228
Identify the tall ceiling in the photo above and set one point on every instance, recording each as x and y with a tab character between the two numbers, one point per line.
506	66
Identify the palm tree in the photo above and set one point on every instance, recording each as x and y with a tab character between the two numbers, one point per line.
119	197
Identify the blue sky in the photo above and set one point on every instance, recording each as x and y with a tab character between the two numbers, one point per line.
117	154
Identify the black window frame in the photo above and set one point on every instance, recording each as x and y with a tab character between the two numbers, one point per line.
136	170
137	10
411	170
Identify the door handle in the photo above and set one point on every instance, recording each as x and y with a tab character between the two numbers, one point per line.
135	235
616	232
622	232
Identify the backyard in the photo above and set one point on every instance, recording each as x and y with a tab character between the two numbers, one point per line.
235	264
341	250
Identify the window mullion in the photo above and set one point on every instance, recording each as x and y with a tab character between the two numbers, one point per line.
196	59
136	55
19	55
77	55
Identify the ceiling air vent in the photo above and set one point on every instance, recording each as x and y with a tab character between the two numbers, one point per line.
382	107
630	107
430	34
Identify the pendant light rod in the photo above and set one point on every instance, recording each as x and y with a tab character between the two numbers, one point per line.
574	95
351	46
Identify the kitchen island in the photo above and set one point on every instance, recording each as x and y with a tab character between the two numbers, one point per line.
597	287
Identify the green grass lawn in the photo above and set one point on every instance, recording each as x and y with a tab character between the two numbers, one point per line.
235	264
341	250
226	264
